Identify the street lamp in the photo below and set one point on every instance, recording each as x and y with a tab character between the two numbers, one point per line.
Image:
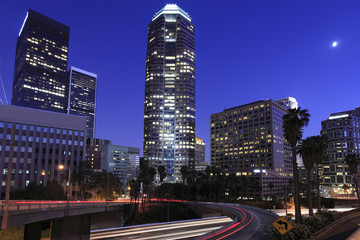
62	167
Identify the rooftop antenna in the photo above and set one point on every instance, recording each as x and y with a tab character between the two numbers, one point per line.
2	85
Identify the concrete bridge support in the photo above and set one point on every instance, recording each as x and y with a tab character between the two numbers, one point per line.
71	228
32	231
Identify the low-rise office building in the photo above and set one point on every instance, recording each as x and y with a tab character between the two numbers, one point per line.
39	141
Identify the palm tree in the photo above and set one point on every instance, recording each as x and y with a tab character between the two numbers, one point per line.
306	150
245	186
271	186
208	174
320	145
162	173
152	174
293	122
353	161
184	174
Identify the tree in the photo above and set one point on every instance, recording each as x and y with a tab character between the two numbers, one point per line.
184	174
98	182
147	176
232	184
53	191
208	174
353	161
293	122
306	150
80	176
134	189
255	187
320	145
162	173
245	186
271	186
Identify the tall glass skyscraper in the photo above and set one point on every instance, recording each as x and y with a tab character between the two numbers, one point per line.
40	77
82	97
169	114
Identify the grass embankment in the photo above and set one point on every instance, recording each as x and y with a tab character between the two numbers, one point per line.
17	233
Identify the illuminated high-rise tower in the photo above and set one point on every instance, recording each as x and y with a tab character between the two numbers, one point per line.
40	78
82	97
169	114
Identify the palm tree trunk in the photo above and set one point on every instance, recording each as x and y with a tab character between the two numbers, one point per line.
318	187
309	192
296	187
357	188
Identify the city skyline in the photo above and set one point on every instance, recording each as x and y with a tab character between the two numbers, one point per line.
261	46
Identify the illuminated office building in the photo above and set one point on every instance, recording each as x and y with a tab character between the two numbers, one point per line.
42	141
169	111
248	140
82	97
40	78
342	130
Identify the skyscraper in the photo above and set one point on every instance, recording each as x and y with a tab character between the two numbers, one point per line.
82	96
169	111
40	78
199	151
342	130
249	141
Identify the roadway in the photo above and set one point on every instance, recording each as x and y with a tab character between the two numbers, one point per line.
246	223
161	231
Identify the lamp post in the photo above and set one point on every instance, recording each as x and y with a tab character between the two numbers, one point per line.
62	167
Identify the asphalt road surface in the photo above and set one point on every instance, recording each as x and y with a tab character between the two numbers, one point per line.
247	223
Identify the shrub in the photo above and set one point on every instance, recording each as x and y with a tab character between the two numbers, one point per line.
299	232
315	222
308	227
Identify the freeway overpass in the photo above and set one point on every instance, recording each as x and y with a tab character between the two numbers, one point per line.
67	222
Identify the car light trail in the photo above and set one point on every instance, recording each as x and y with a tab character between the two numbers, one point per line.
149	228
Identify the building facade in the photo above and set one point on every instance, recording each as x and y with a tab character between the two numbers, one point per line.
41	142
82	96
121	161
40	78
169	111
248	140
95	150
199	151
343	135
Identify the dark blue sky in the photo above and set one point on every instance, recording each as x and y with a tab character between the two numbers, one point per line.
245	51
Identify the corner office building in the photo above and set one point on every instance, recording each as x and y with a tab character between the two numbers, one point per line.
40	78
248	140
343	133
169	111
42	141
82	96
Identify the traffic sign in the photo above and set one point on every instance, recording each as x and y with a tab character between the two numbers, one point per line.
282	225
